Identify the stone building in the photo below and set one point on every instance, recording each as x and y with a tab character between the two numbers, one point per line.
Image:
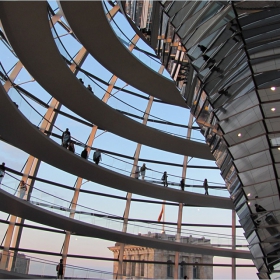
21	264
164	270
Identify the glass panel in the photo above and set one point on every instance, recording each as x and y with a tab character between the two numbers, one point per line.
256	251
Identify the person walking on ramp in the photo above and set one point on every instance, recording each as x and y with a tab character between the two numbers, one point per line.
97	156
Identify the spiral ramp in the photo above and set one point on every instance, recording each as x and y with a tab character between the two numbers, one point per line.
35	47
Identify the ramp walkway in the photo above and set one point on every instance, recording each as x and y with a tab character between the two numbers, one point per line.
35	47
16	130
22	208
88	21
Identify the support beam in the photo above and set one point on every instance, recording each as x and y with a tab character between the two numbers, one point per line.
180	210
112	12
13	235
80	180
129	195
89	143
210	126
233	233
11	227
14	74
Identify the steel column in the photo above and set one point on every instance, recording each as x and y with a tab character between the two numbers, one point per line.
90	141
112	12
10	230
129	195
32	162
13	76
233	234
180	210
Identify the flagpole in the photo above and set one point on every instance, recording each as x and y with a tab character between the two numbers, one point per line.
163	206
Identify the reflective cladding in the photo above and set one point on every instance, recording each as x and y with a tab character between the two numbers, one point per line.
272	125
220	153
237	105
256	251
235	60
267	188
218	82
276	155
135	10
245	8
230	172
262	48
206	43
242	119
253	238
175	8
182	13
213	9
248	225
263	275
200	5
262	37
264	267
208	27
234	185
253	161
242	209
226	54
267	79
251	146
262	174
164	25
273	262
230	92
275	215
275	139
271	110
245	133
188	26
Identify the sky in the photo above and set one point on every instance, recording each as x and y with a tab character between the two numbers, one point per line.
52	195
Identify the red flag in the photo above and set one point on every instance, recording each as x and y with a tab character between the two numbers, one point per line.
160	214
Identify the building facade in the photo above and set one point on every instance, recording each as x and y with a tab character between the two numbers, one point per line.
20	263
161	264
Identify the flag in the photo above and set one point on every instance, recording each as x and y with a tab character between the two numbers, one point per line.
160	214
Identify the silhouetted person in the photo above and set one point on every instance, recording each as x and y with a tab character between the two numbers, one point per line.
202	48
143	170
186	277
81	80
15	104
144	31
71	147
89	88
84	153
164	179
65	138
182	184
259	208
215	68
205	185
2	171
97	156
22	189
207	58
59	269
137	172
